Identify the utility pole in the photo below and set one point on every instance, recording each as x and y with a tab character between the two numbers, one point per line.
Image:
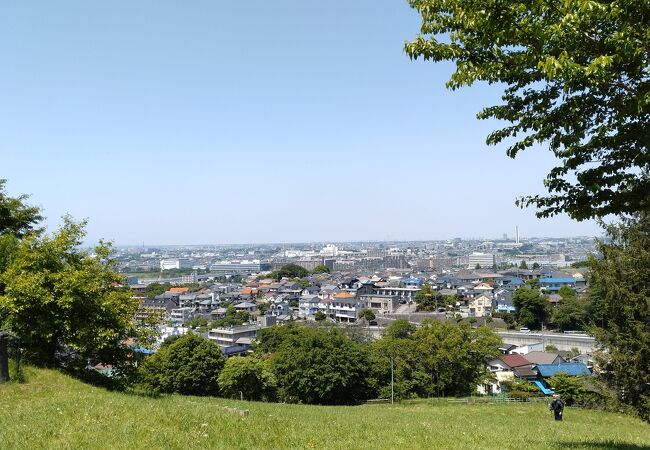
392	382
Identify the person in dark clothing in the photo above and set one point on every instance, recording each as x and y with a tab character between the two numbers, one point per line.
557	406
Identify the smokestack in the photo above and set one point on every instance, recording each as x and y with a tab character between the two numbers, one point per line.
516	234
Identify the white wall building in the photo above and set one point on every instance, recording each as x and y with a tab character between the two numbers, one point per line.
175	263
485	260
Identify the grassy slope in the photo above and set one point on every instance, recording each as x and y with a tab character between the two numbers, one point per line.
54	411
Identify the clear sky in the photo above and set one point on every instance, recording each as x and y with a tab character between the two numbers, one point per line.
189	122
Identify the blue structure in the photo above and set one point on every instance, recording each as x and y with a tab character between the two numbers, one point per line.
553	285
543	388
412	282
573	369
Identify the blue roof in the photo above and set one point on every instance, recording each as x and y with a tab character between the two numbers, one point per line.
558	280
575	369
143	350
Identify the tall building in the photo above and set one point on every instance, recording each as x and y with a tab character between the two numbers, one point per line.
485	260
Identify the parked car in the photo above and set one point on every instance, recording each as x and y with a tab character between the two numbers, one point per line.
524	330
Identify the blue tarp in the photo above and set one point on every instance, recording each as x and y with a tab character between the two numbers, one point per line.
543	388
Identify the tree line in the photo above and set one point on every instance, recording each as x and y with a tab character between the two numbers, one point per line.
322	365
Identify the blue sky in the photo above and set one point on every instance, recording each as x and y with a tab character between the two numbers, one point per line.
194	122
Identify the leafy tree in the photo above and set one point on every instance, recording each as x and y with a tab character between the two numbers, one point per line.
322	268
579	264
400	329
270	339
367	314
66	305
409	380
572	389
231	319
532	283
189	365
532	307
320	316
197	322
248	375
291	271
575	77
620	289
16	217
571	312
535	266
154	289
320	366
428	300
453	356
523	265
566	293
521	389
477	266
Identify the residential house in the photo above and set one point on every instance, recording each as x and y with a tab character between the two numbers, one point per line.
536	357
345	307
246	306
236	335
553	284
480	306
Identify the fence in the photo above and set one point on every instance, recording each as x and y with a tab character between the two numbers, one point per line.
10	364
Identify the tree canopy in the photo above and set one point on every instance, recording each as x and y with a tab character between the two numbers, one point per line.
620	290
189	365
320	367
532	307
247	376
17	218
63	302
576	77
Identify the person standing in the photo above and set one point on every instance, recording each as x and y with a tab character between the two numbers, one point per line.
557	406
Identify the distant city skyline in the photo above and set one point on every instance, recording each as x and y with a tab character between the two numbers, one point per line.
251	122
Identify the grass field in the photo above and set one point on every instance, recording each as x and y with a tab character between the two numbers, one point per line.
53	411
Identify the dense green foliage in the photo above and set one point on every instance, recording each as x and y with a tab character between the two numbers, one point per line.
429	300
620	289
154	289
287	271
576	77
400	329
322	268
53	411
532	308
453	356
572	389
571	313
249	377
16	217
68	307
320	367
65	303
270	339
437	359
232	318
368	314
188	365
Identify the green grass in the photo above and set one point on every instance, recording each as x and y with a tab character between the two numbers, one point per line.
55	411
